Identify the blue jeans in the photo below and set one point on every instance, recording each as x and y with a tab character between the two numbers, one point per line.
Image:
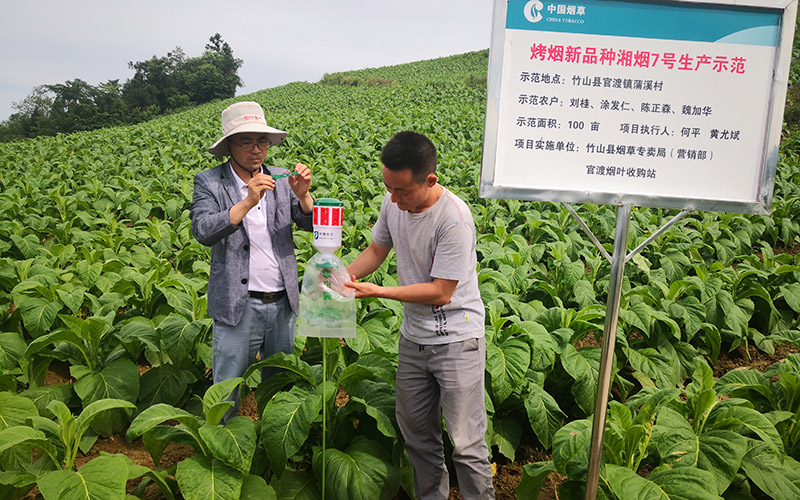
444	379
265	328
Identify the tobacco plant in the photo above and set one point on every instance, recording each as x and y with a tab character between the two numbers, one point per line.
57	444
348	410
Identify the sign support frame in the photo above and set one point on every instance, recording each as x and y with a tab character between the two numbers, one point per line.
618	260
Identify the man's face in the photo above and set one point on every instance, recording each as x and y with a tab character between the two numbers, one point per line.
407	193
249	149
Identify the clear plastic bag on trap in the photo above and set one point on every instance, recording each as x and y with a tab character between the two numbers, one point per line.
327	307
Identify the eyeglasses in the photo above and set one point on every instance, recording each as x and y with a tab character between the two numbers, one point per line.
261	144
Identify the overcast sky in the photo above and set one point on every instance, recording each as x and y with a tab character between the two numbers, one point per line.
52	41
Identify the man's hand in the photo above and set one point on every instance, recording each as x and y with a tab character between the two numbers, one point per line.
301	182
363	290
256	187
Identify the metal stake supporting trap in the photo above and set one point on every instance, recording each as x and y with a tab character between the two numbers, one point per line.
324	407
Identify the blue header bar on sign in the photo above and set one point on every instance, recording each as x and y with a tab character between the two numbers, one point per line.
664	21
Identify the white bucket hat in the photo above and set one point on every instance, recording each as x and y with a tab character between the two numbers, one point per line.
241	117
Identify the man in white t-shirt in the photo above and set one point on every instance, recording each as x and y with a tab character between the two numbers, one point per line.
442	351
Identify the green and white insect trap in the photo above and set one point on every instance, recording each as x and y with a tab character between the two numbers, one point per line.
327	307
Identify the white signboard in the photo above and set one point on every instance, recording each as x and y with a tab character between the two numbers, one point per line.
667	104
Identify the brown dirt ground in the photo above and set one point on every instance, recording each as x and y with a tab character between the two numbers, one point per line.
507	475
758	360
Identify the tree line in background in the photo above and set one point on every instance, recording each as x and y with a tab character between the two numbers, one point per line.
160	85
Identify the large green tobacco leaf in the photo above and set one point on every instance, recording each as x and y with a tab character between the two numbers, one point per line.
687	310
739	382
507	363
175	291
372	334
38	314
16	448
296	485
23	437
72	299
91	330
583	367
664	483
638	316
544	414
533	477
367	367
723	311
12	349
15	485
28	245
379	402
506	435
571	448
653	364
256	488
89	273
139	330
544	346
14	410
674	264
118	380
752	421
71	429
778	479
158	477
158	414
234	443
361	472
204	478
584	293
100	479
288	362
163	384
289	416
179	334
719	452
791	294
216	399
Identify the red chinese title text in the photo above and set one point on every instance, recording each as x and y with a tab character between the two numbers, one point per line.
636	59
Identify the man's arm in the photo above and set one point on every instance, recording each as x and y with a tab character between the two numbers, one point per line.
437	292
210	222
368	261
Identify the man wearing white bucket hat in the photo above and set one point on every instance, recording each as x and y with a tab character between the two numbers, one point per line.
244	210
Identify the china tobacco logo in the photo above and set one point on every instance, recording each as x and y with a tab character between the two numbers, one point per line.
533	11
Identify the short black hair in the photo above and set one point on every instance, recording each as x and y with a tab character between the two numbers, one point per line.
410	151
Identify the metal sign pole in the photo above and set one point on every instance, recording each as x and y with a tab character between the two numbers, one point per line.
607	356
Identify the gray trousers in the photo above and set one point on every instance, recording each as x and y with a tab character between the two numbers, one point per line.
444	379
265	329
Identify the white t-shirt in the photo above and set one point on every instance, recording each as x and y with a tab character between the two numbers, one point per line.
265	275
437	243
